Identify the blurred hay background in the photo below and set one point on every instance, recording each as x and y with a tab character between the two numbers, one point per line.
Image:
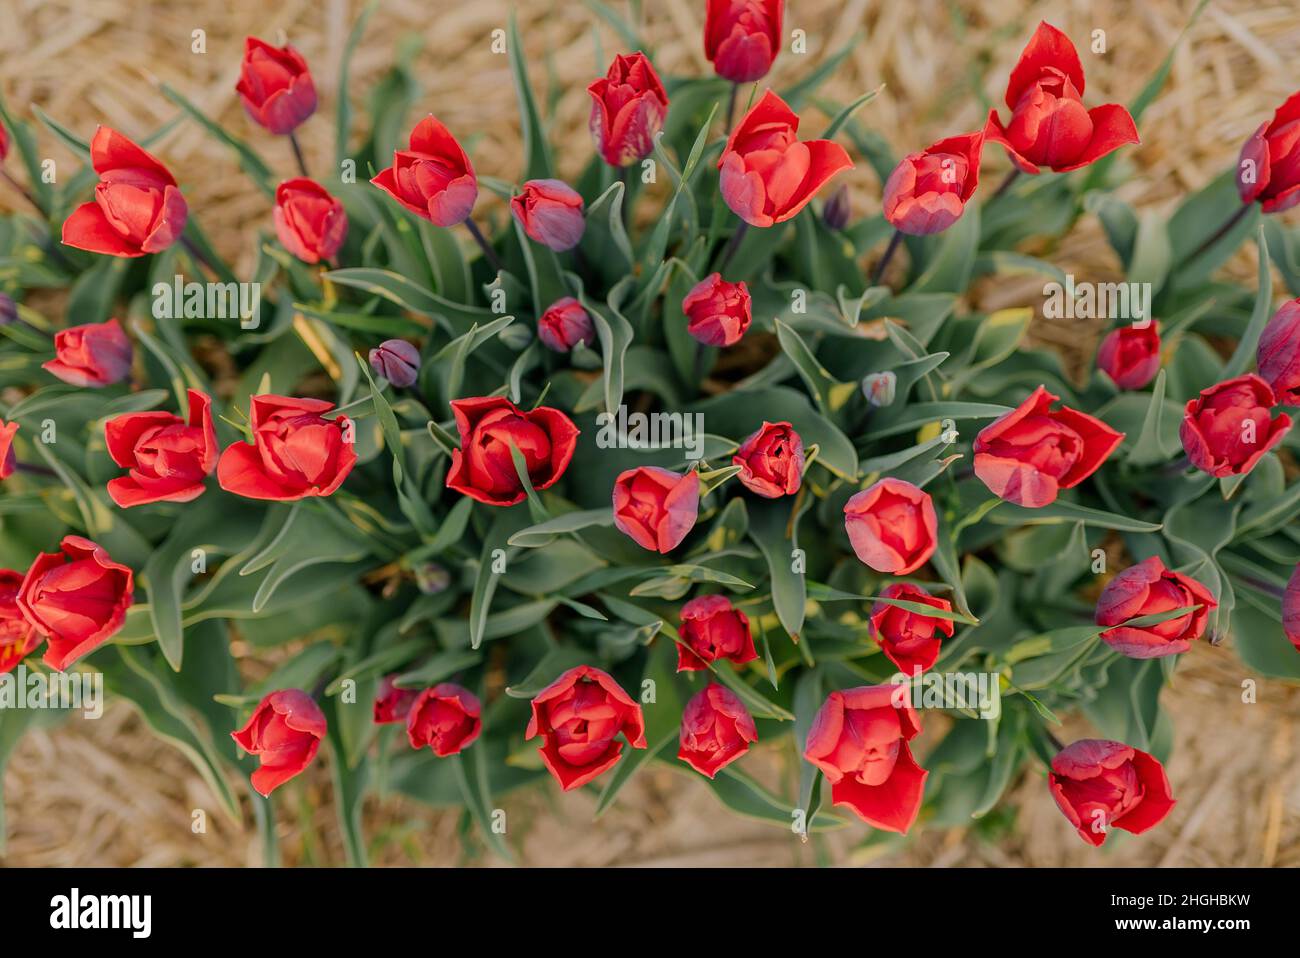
108	793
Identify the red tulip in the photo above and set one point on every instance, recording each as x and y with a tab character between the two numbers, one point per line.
565	324
712	629
1130	355
275	86
18	638
655	507
1100	785
1027	456
550	211
1278	354
137	209
742	37
434	179
1049	124
927	192
1291	609
716	730
296	452
392	704
578	716
892	526
77	599
717	312
4	143
8	462
1268	170
628	106
911	640
94	355
1227	428
309	222
285	731
446	718
1148	588
859	741
168	457
483	467
768	173
771	461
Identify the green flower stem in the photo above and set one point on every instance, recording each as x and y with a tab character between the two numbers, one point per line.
488	252
879	271
297	154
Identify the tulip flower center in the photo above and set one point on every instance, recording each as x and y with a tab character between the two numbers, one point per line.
1106	797
869	745
302	449
491	467
77	596
1042	442
170	452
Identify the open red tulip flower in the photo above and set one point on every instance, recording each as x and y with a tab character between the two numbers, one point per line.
716	730
483	468
1030	454
167	457
138	208
18	637
433	177
285	732
859	742
1049	126
77	598
768	173
578	717
296	452
1099	785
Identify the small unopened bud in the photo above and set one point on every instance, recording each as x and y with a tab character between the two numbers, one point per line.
835	214
879	388
397	361
516	336
8	310
431	578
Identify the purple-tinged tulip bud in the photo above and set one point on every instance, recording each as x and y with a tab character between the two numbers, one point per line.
8	310
550	211
397	361
431	578
564	325
835	214
879	388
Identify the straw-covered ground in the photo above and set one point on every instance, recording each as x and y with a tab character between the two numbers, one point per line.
108	793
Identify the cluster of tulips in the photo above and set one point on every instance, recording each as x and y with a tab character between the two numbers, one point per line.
296	448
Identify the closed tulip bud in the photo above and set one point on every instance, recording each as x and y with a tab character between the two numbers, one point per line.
716	730
927	192
309	222
431	578
564	325
879	388
8	310
1130	355
656	507
712	628
1268	170
8	461
1278	354
446	718
275	86
742	37
433	177
718	312
397	361
628	106
1229	426
4	142
892	526
550	211
1291	609
1149	588
836	212
93	355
